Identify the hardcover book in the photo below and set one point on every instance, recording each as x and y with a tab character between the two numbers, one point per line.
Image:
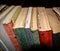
45	31
55	26
20	30
8	25
34	26
27	27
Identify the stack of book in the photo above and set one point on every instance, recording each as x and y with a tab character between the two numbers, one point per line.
25	27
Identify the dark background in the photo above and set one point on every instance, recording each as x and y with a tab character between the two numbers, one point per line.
45	3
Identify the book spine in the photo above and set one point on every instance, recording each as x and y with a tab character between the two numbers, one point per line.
46	38
6	39
11	34
22	38
29	36
36	37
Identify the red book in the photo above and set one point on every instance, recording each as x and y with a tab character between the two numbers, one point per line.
45	32
8	23
46	37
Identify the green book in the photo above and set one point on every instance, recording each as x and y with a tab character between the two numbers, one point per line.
19	29
34	27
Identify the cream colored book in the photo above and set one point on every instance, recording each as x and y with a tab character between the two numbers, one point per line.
53	21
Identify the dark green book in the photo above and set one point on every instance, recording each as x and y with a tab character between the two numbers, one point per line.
19	29
34	27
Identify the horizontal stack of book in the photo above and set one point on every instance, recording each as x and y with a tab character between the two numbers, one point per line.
24	27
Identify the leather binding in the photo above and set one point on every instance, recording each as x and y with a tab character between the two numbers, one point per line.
34	26
45	32
20	30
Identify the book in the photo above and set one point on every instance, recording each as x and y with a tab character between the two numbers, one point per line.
3	15
57	11
45	32
2	46
55	26
34	26
5	8
8	25
3	33
27	27
20	30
